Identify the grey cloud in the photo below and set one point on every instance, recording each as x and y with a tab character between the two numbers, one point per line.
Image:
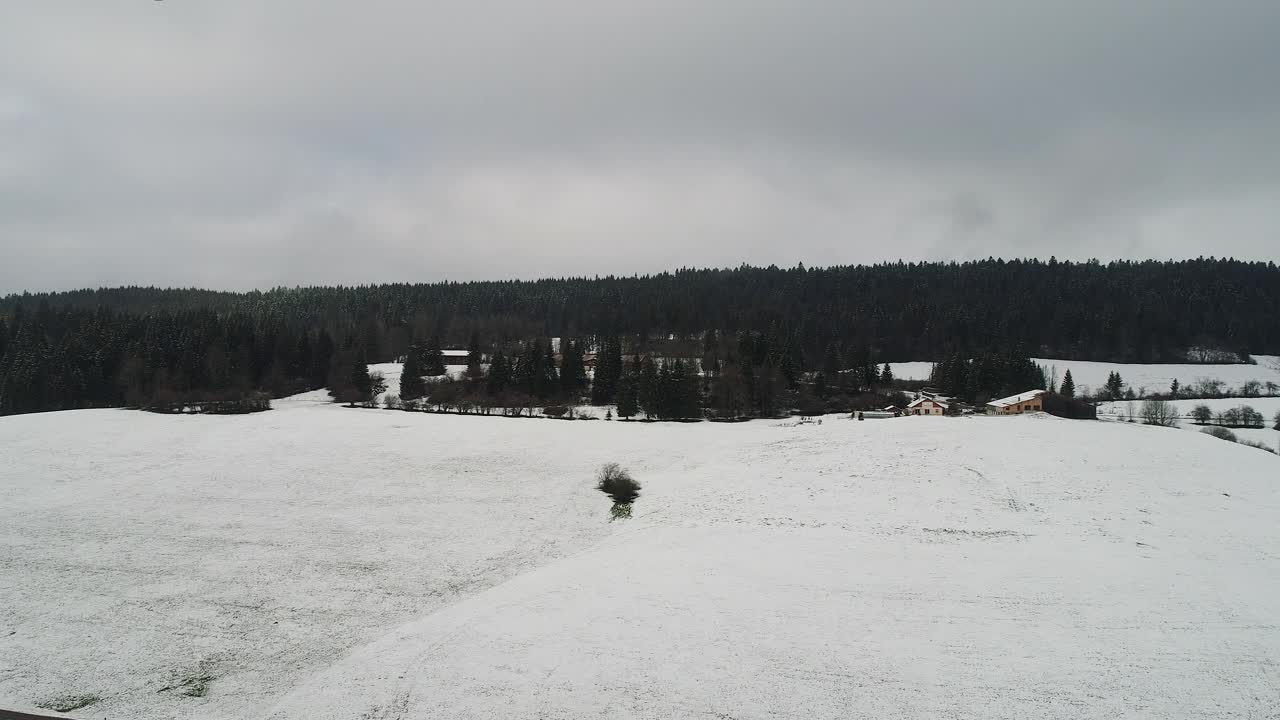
240	144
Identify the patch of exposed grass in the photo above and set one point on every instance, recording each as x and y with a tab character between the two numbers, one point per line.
67	703
195	684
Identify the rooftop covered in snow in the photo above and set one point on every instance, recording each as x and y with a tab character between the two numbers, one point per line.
1015	399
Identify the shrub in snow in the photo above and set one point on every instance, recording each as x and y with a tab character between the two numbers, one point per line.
391	402
1260	446
618	484
1202	414
1220	432
67	703
1159	412
1250	417
555	411
377	384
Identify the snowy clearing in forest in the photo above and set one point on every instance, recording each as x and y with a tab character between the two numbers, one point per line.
320	562
1154	378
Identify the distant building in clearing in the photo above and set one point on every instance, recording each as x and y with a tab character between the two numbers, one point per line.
1030	401
928	406
454	358
1042	400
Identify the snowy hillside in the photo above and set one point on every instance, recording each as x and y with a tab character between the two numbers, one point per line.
1155	378
319	562
1268	406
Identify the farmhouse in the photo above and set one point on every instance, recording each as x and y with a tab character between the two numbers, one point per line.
1030	401
454	358
925	405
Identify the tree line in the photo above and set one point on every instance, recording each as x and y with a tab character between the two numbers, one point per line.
759	335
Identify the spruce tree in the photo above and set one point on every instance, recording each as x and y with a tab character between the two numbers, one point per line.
628	404
871	376
573	369
499	373
886	376
360	380
1115	386
604	388
526	374
475	359
832	363
648	394
433	358
412	386
1068	387
665	399
549	380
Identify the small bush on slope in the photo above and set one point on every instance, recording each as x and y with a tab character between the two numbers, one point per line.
1221	433
1159	412
67	703
617	484
1260	446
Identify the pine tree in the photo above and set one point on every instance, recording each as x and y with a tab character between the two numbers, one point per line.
666	400
412	386
628	403
526	374
1115	386
608	369
832	363
549	380
648	394
433	358
886	376
1174	388
475	359
687	390
1068	388
361	383
499	374
573	369
710	351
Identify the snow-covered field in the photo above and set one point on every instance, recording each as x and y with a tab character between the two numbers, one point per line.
319	562
1155	378
392	371
1268	406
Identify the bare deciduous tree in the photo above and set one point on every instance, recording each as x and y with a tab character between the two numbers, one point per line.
1201	414
1159	412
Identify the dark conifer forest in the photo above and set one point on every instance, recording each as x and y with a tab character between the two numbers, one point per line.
757	331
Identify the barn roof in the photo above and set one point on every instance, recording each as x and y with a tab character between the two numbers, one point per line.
1015	399
934	400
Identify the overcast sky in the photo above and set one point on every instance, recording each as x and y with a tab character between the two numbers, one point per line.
252	143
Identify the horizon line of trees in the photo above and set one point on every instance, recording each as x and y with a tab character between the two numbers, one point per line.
767	337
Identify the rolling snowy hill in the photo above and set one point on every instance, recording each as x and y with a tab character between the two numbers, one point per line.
323	562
